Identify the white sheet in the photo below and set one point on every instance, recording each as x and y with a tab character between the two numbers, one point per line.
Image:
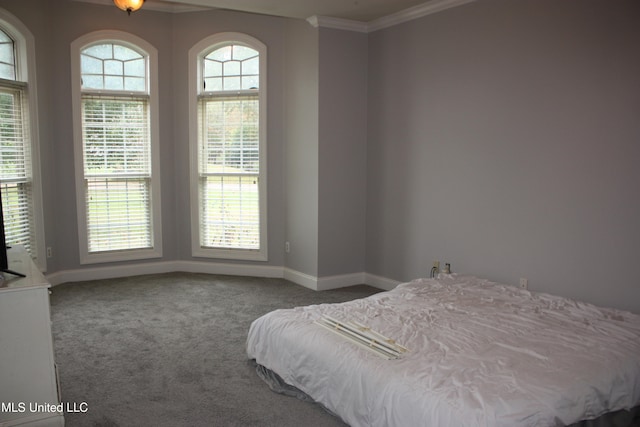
481	354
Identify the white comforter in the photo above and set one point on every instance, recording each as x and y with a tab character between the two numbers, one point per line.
480	354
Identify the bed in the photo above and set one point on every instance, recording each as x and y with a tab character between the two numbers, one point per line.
478	353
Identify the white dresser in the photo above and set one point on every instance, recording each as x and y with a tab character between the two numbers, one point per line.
28	382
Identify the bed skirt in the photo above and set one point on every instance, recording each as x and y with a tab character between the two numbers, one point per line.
612	419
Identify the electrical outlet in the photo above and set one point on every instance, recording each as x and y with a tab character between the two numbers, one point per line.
524	283
287	247
435	270
49	252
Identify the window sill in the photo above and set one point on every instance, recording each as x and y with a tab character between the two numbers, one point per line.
236	254
123	255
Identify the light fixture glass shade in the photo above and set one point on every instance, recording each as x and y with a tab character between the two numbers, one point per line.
129	5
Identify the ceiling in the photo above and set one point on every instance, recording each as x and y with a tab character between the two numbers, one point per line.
364	11
357	10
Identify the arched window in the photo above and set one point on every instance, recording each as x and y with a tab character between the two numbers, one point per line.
116	148
19	160
7	57
228	147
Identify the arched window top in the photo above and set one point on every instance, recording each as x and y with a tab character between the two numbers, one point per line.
229	62
7	57
113	66
17	50
231	67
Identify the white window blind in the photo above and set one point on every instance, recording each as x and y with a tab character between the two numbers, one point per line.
14	134
229	172
15	166
18	220
117	170
118	214
115	133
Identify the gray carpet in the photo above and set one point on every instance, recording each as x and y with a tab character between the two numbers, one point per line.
169	350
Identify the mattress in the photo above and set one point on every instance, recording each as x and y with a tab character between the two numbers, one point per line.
479	354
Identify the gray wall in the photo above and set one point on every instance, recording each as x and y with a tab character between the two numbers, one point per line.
301	154
342	152
504	137
325	126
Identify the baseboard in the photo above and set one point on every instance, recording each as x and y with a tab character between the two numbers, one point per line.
301	279
297	277
340	281
113	272
380	282
324	283
230	269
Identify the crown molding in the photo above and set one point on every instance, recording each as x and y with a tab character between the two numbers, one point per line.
415	12
406	15
338	23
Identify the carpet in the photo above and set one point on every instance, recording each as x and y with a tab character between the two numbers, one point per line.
169	350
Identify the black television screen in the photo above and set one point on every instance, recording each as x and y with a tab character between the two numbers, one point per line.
4	261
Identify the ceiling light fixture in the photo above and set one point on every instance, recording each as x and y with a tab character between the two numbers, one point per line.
129	5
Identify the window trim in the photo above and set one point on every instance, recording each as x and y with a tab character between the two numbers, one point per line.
196	53
26	72
142	46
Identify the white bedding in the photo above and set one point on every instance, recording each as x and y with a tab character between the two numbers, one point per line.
480	354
